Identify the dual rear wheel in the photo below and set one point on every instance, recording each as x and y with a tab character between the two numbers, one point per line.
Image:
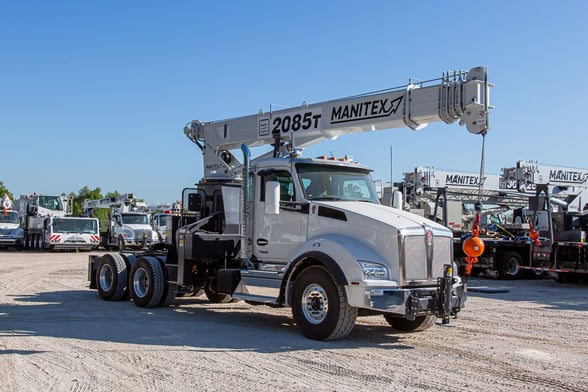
144	281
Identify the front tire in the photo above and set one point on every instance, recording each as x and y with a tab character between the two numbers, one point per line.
319	306
121	244
147	282
213	296
420	323
111	277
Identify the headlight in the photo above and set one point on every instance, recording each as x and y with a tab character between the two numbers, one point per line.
373	271
127	234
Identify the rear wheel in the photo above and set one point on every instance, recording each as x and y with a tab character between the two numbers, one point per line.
111	277
420	323
169	294
147	282
319	306
510	265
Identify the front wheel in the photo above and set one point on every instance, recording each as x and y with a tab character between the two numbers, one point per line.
121	243
420	323
147	282
319	306
213	295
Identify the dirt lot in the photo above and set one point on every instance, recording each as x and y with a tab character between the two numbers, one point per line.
57	335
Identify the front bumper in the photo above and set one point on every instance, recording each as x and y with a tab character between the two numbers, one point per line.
132	243
11	241
444	301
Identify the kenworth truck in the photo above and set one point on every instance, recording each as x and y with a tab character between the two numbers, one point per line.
307	233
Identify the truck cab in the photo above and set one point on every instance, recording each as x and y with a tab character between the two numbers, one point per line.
132	230
11	233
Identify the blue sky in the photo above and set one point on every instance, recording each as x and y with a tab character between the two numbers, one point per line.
96	93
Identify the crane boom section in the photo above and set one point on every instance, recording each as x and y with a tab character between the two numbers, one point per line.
465	97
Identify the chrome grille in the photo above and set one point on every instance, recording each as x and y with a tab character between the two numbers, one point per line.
415	258
417	265
139	234
442	254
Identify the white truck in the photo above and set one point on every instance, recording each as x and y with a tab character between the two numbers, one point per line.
11	233
307	233
127	227
48	224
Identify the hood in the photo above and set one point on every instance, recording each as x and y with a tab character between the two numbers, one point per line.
387	216
138	226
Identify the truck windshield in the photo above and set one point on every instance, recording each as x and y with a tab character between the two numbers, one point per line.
10	217
75	225
51	203
134	219
330	182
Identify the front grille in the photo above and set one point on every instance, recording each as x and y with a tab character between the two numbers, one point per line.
421	263
139	234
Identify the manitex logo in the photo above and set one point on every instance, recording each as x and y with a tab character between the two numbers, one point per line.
455	179
365	110
576	177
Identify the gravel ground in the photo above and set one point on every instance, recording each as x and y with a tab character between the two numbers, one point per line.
57	335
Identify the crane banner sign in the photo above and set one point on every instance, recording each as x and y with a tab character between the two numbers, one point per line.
365	110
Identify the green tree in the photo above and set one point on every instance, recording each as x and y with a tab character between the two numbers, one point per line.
83	194
4	190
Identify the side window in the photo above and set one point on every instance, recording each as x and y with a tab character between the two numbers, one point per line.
287	192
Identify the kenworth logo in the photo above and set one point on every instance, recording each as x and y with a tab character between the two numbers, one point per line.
455	179
568	176
365	110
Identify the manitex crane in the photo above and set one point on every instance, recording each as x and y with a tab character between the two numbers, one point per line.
308	233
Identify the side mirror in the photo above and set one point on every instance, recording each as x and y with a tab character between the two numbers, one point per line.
272	198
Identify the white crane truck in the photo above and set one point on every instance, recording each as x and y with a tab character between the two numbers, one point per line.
307	233
11	233
48	224
127	227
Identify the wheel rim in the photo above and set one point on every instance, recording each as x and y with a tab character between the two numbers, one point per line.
141	282
106	277
315	304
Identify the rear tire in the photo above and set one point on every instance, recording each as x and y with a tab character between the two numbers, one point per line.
420	323
509	265
111	277
147	282
169	294
319	306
